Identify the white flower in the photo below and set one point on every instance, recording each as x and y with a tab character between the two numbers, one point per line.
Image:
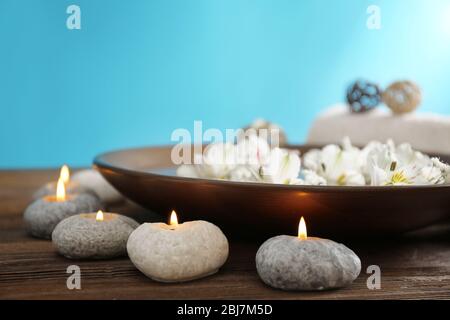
252	151
387	167
347	146
351	178
338	166
377	164
312	178
271	132
401	176
369	149
406	155
283	166
381	158
245	174
401	165
218	160
311	159
440	171
429	175
188	171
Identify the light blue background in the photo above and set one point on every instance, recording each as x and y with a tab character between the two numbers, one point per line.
139	69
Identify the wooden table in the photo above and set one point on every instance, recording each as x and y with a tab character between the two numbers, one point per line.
414	266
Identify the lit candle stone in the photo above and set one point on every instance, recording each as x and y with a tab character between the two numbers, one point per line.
306	263
289	263
175	253
70	187
42	216
93	235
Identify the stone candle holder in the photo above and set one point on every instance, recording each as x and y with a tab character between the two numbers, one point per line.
288	263
93	235
70	187
176	253
49	189
42	216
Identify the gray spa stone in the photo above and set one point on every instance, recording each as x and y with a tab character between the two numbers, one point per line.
49	189
82	237
42	216
288	263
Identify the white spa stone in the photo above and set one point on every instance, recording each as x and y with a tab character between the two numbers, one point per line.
288	263
192	250
92	179
83	237
42	216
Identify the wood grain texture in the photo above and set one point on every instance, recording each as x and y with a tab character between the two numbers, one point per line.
414	266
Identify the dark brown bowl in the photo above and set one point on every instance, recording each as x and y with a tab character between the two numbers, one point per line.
146	176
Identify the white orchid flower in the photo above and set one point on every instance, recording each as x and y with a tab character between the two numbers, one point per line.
309	178
252	151
311	159
351	178
340	166
313	179
382	156
408	175
402	165
283	166
348	146
437	172
337	165
218	160
429	175
445	169
377	164
394	176
244	174
188	171
385	168
406	155
371	148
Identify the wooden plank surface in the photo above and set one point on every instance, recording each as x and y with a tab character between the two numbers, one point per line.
413	266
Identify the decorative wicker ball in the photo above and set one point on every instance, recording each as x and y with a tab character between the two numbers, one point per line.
363	96
402	96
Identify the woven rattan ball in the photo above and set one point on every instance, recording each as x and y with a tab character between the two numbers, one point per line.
402	96
363	96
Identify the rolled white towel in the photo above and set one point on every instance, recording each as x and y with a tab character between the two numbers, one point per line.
424	131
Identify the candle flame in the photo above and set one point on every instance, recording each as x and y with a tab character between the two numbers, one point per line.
173	219
60	190
65	174
99	216
302	235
